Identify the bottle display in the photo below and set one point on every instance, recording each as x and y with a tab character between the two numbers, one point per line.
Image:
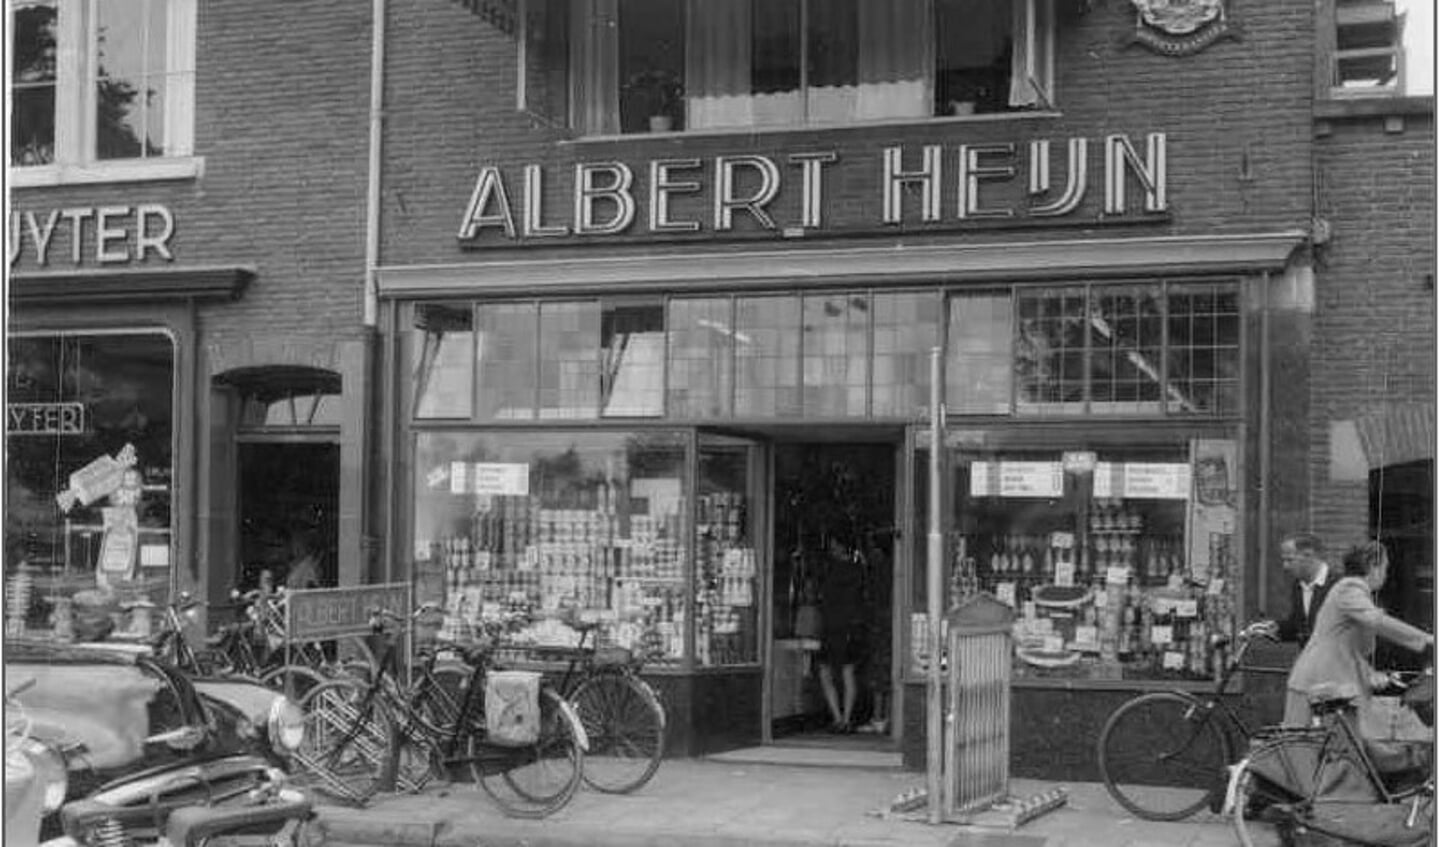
1102	587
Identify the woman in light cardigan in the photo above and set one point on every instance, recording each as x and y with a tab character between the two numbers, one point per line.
1338	652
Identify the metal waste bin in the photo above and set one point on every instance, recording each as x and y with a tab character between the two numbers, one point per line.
976	729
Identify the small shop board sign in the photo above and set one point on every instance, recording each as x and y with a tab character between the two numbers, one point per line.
1080	461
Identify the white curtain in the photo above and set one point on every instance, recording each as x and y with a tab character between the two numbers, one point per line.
596	60
1031	62
893	60
717	65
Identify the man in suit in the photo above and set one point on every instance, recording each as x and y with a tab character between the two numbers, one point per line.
1302	554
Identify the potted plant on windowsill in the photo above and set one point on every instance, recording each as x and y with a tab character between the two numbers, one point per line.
659	96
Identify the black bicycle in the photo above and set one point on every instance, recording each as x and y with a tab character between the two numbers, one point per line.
1163	755
361	735
623	716
1330	780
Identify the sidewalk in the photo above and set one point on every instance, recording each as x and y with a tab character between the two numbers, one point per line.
698	802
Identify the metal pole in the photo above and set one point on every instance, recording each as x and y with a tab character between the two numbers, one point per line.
934	708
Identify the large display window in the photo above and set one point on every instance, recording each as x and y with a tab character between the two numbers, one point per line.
1119	558
89	439
592	524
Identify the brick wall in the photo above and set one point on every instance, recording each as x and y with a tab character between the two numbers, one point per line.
1237	117
1374	311
282	96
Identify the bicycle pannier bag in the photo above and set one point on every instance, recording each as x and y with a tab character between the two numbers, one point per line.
512	707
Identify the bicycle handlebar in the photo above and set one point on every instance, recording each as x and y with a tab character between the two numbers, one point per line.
377	612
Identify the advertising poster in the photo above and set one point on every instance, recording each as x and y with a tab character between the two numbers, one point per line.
1212	508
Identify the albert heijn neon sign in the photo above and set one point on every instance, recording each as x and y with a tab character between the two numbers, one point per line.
605	196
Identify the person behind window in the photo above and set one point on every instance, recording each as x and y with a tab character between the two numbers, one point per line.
304	568
1303	557
1339	650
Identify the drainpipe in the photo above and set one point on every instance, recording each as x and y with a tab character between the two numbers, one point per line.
1265	434
372	193
371	295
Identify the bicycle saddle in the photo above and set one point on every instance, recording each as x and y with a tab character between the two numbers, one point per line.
1329	697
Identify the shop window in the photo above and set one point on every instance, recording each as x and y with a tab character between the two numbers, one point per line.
702	340
726	557
979	372
508	356
835	350
96	82
439	353
1122	349
632	350
1126	326
1203	350
654	65
569	359
906	328
557	523
1119	561
767	360
89	443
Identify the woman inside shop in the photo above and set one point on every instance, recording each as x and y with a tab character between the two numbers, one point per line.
1340	648
845	645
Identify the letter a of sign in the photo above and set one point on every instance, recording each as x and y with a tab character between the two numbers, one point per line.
489	188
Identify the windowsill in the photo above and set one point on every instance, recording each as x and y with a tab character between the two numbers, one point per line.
154	170
811	128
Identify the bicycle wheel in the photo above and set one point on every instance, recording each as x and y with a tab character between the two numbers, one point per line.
625	724
1162	756
347	746
1304	781
422	735
536	780
296	681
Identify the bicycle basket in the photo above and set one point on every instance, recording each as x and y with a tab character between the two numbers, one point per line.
512	707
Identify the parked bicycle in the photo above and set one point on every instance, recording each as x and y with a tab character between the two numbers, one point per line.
622	714
362	735
1178	743
1328	779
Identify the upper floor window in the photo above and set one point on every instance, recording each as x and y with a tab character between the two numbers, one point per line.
99	82
658	65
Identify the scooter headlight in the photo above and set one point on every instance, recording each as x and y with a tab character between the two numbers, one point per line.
286	725
50	769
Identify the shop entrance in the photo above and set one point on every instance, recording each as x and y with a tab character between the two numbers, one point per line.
289	504
833	553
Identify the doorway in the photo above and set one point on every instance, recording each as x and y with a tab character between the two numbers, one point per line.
289	491
833	576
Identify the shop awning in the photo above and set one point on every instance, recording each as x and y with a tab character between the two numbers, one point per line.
135	284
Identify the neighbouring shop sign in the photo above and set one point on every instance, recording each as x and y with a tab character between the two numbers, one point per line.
104	235
787	194
45	419
333	612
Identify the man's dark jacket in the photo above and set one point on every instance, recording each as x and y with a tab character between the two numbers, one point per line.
1298	625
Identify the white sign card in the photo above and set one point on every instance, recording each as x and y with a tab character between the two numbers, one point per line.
1016	479
1159	634
1173	661
1004	593
1156	480
501	478
459	476
1064	574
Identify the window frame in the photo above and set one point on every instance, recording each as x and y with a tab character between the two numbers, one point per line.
76	160
1040	20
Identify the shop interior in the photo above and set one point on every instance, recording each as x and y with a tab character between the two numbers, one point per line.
833	577
289	500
